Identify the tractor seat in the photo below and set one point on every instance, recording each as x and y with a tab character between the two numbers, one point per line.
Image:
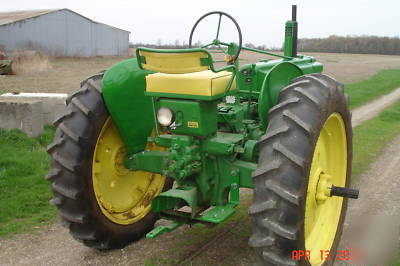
201	83
183	73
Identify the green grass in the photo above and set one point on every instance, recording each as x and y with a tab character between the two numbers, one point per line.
371	136
378	85
24	194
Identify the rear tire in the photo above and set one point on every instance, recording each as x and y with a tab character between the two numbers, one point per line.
71	173
286	155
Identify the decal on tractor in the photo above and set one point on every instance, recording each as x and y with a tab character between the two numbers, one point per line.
193	124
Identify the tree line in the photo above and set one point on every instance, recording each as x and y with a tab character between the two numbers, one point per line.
332	44
351	44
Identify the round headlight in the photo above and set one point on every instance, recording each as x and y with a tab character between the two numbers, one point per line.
165	116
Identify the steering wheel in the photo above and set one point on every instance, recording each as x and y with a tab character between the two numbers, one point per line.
216	41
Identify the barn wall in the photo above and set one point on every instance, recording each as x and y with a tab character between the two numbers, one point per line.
64	33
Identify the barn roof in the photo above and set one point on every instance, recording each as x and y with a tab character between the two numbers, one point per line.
15	16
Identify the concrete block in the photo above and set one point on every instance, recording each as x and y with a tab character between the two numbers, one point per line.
23	114
53	103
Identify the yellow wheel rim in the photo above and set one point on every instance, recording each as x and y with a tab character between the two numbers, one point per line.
329	166
123	196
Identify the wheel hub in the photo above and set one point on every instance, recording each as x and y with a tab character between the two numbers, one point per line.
123	196
329	166
323	188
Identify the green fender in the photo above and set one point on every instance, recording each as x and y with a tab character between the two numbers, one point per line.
123	88
276	79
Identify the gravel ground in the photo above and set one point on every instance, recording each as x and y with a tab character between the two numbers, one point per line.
372	222
378	204
373	108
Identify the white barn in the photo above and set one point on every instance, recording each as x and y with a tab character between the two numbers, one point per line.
60	32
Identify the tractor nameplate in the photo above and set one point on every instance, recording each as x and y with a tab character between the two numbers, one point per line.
193	124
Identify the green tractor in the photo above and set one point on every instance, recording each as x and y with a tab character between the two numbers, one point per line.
168	135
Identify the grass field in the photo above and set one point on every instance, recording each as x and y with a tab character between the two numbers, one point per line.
65	74
371	136
378	85
24	194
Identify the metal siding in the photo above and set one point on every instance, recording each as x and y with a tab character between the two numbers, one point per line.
78	35
64	33
102	39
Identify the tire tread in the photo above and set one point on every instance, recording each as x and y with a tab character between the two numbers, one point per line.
279	195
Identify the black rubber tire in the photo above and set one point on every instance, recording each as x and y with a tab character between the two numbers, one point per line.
286	152
71	173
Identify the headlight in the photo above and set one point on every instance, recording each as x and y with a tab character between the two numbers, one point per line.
165	116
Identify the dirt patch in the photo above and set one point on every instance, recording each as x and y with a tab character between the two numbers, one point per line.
66	73
53	245
346	68
64	76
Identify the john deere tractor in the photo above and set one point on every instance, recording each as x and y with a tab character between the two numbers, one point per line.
169	135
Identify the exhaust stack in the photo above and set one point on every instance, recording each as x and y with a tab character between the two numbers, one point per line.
290	46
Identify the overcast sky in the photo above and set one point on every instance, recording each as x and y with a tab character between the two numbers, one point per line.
261	22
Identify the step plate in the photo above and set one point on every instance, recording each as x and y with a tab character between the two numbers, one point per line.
218	214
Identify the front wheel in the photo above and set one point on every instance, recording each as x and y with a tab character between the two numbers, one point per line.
307	148
103	204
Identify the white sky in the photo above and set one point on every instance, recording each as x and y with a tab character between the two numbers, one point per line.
262	22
